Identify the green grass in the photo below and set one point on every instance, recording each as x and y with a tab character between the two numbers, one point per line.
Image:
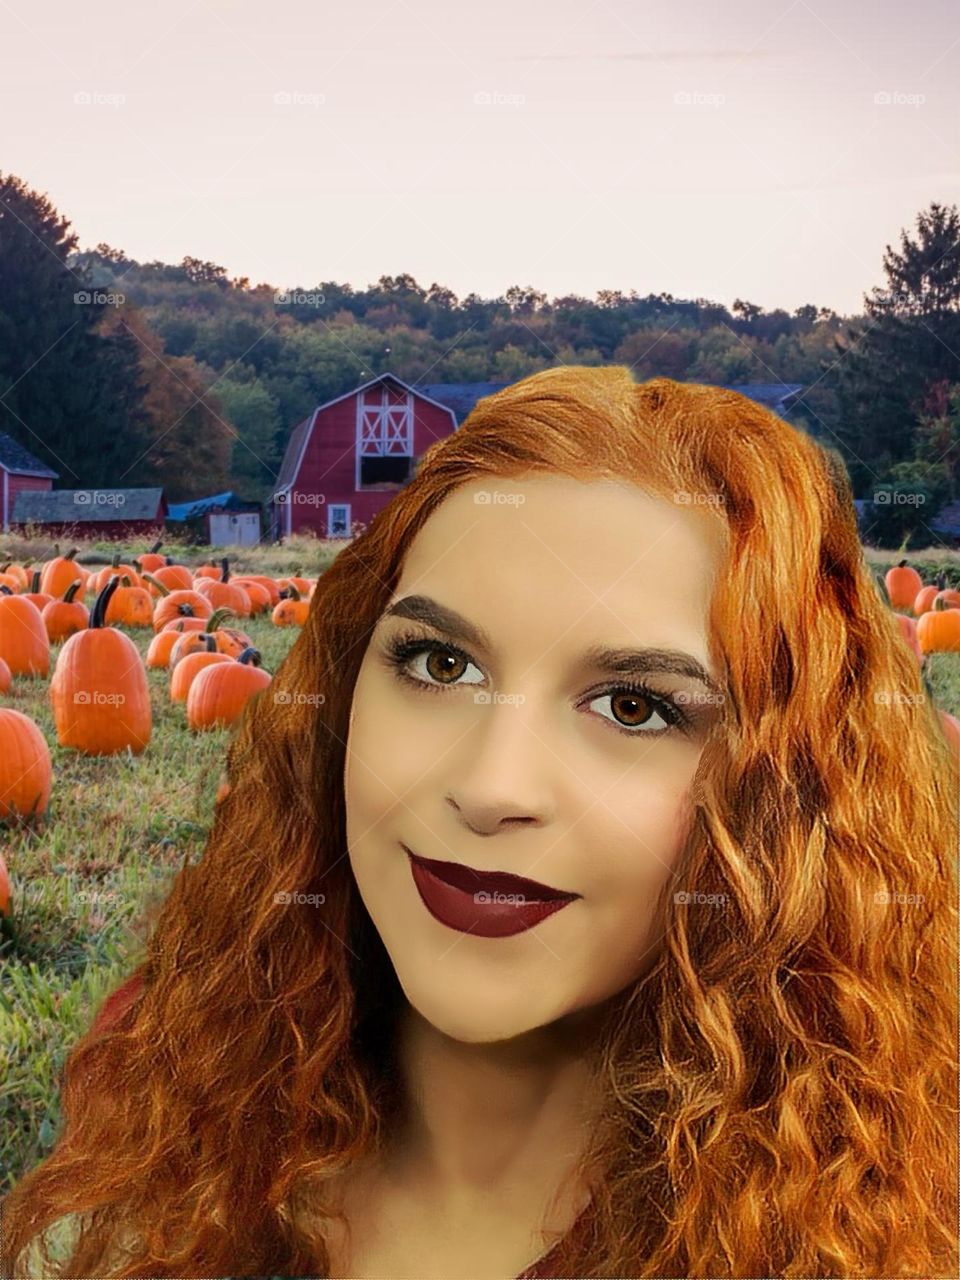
117	831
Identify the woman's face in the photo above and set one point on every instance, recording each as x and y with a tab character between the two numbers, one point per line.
504	745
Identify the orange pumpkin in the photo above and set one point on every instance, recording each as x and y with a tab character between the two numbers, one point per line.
6	678
292	611
26	770
207	571
268	584
258	593
64	617
908	629
24	643
223	594
189	667
99	691
130	606
226	639
221	691
938	630
175	577
151	559
902	585
158	652
116	569
177	604
39	598
16	572
59	573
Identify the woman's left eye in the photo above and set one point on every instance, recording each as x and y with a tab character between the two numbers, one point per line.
635	705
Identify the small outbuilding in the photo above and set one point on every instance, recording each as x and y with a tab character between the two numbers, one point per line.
92	513
221	520
20	472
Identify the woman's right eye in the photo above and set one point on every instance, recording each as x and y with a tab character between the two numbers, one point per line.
442	668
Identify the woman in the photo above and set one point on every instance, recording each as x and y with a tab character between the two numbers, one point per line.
635	958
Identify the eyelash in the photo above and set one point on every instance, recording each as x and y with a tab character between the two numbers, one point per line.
409	644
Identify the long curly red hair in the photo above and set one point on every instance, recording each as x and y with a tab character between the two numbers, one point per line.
779	1089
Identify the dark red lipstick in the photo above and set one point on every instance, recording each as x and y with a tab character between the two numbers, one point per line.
490	904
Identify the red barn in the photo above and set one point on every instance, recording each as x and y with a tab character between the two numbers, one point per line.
93	513
20	472
346	460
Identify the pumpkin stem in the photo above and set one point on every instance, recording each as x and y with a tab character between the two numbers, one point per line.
250	655
186	609
292	592
103	599
169	560
902	564
164	591
71	553
115	563
5	589
126	581
224	570
5	567
217	617
72	590
209	643
35	584
941	580
56	548
156	547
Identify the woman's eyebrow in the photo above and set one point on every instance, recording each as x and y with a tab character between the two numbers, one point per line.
617	662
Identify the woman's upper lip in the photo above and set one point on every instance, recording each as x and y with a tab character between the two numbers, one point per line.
473	880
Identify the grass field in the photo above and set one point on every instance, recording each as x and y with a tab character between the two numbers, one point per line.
117	831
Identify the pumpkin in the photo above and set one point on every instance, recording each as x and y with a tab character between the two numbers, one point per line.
24	643
268	584
116	569
183	674
177	604
130	606
26	770
925	598
39	598
226	639
938	630
63	617
207	571
902	585
158	653
222	690
258	593
151	559
291	611
908	629
6	678
18	573
949	596
59	573
175	577
186	624
5	890
303	585
223	594
99	691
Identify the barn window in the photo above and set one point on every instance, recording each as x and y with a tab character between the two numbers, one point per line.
384	436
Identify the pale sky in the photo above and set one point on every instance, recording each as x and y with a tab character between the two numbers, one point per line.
762	149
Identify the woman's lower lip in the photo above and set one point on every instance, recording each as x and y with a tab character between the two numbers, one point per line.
486	915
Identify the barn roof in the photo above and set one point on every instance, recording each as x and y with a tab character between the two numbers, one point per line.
462	396
14	457
200	506
64	506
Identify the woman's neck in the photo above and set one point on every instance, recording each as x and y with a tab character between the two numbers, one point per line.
493	1119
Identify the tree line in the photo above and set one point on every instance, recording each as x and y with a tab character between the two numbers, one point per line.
114	371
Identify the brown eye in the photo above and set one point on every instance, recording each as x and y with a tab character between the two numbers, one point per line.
631	709
445	666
